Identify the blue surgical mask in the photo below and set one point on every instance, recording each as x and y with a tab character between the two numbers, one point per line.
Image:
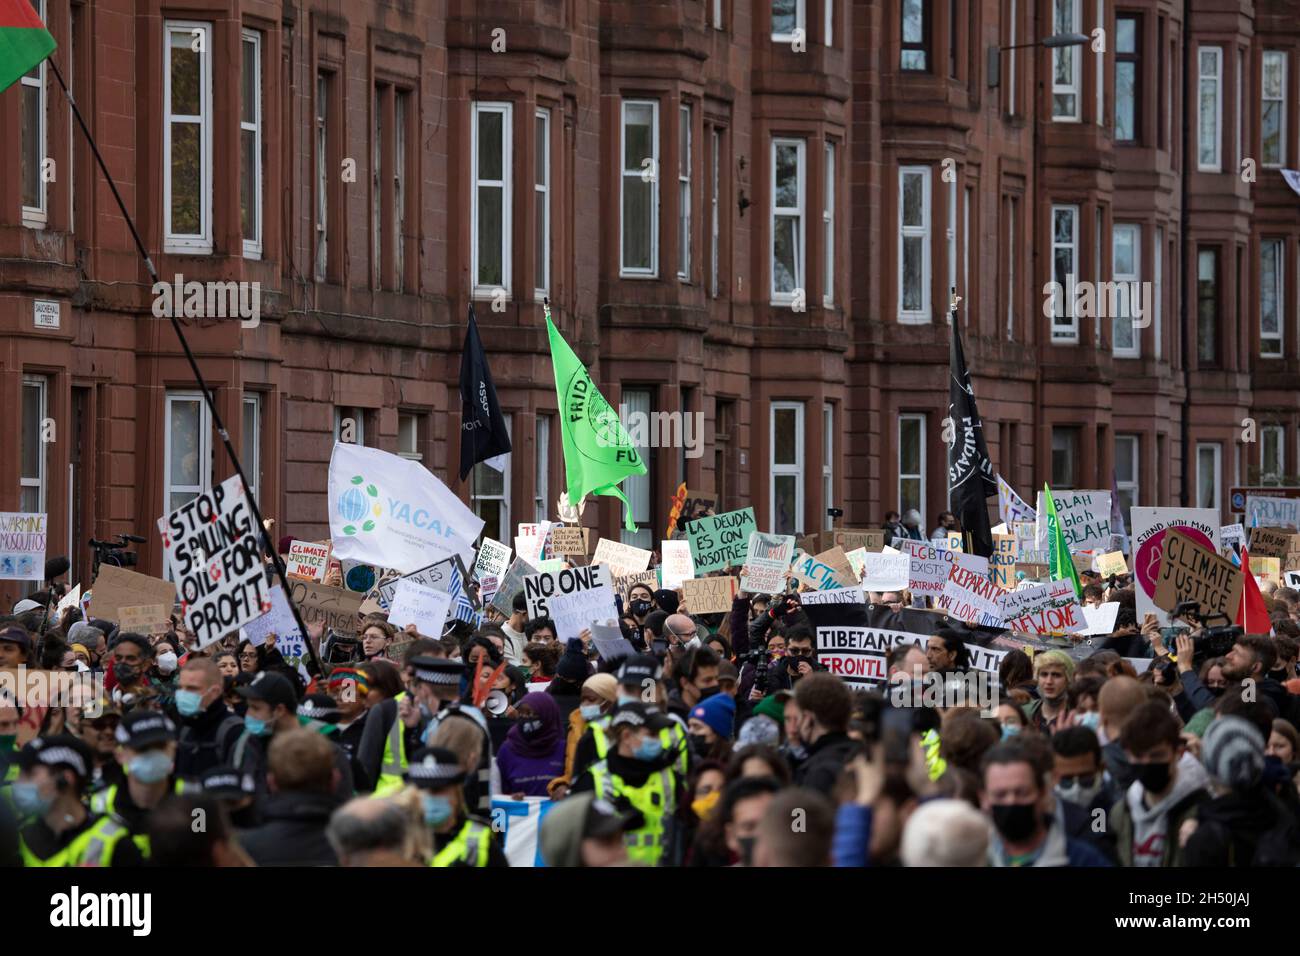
28	799
188	702
1010	730
650	748
589	712
256	726
628	699
437	810
153	766
1091	720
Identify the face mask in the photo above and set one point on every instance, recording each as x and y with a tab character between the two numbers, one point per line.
704	805
1154	777
1010	730
589	712
528	673
28	799
256	727
151	767
188	702
627	699
1078	793
707	691
531	728
699	743
1015	821
641	608
125	673
746	850
167	662
437	810
425	713
1091	720
649	749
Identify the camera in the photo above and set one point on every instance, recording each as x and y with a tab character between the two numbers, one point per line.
758	658
1215	640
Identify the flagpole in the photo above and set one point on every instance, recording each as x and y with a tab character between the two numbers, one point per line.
198	375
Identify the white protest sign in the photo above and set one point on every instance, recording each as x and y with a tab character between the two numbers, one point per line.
440	576
928	566
1272	512
493	559
539	587
969	595
1291	579
857	556
308	560
22	546
213	548
678	565
278	621
1084	518
1101	618
610	643
849	595
767	562
70	600
622	558
577	610
530	539
1148	527
1233	534
419	605
1051	608
886	572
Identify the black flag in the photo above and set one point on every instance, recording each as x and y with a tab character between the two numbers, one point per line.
970	473
483	432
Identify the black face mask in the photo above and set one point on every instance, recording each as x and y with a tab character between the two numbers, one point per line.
746	850
708	691
699	743
125	673
1154	777
641	608
1015	821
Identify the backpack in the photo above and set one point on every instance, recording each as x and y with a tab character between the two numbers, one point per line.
218	743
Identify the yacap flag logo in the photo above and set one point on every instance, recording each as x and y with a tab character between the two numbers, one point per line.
407	520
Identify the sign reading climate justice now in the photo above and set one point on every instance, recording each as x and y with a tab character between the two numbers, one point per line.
213	548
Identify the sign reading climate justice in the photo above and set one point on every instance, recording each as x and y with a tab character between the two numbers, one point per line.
212	547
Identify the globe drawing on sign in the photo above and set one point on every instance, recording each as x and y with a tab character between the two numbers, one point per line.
584	401
356	504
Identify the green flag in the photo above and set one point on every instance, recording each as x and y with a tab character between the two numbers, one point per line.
24	41
597	451
1060	564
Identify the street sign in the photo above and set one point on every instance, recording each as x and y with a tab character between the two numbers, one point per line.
1237	496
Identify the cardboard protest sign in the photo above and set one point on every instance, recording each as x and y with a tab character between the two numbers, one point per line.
332	608
838	561
567	539
289	641
885	572
1002	562
22	546
1084	517
1051	608
1149	526
511	584
928	566
969	595
422	606
766	562
1273	512
116	588
1269	542
446	575
577	611
622	558
1190	571
872	539
213	547
487	587
1291	560
1100	619
677	563
720	541
145	618
709	595
307	560
818	575
1111	563
623	583
1266	567
546	584
854	594
1234	535
493	559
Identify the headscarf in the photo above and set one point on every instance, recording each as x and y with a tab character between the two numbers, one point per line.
550	741
604	686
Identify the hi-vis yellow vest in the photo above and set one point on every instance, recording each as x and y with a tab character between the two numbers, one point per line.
105	802
654	798
394	765
469	848
92	848
673	738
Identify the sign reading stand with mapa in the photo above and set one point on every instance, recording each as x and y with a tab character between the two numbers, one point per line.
212	549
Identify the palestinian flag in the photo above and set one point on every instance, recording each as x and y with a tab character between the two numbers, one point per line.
24	41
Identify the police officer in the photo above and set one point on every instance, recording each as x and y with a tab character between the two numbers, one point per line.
235	791
58	829
459	839
146	751
639	679
638	775
436	692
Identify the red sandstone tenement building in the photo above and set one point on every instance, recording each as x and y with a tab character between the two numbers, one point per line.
747	209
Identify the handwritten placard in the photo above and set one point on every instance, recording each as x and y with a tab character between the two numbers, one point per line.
1051	608
567	539
766	562
1190	572
1111	563
928	566
144	618
885	572
1269	542
1084	518
622	558
1002	562
1273	512
422	606
720	541
677	563
308	560
709	595
849	539
969	595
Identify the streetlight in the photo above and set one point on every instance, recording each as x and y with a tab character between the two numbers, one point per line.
1054	42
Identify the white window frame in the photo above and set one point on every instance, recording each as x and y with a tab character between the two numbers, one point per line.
205	448
322	193
358	415
1278	434
828	226
639	399
411	454
920	421
1125	298
476	497
1013	208
923	316
624	270
39	480
684	197
506	111
1240	124
1279	290
715	248
828	21
1011	61
1217	450
828	463
253	468
1075	87
200	242
788	212
1134	455
1099	67
1207	84
542	191
1280	55
965	242
1065	323
786	470
800	23
541	509
717	14
1158	279
401	104
37	217
952	248
252	248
